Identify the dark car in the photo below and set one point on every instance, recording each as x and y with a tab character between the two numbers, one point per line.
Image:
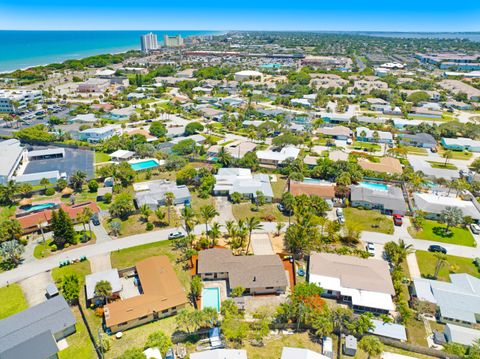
437	248
95	220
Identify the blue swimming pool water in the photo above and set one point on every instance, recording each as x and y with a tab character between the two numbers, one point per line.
39	207
374	185
211	298
144	165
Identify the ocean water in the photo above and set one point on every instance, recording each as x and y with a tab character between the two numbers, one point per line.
21	49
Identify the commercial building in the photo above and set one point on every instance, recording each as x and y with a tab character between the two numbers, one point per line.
386	199
433	205
363	284
258	274
34	332
162	295
248	75
12	154
152	193
458	301
93	85
241	180
276	158
148	42
14	101
172	41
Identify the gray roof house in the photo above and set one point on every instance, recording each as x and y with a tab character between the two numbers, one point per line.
33	333
110	275
241	180
458	301
424	140
152	193
389	200
258	274
461	335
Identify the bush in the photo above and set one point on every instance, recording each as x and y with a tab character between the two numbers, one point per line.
93	186
149	226
99	312
49	192
107	198
53	247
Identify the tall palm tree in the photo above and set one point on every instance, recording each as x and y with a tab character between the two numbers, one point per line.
77	179
8	191
230	227
252	224
169	201
145	211
207	213
188	217
215	232
87	214
403	251
441	261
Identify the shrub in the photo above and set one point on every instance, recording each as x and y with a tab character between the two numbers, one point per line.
53	247
99	312
269	218
93	186
107	198
49	192
149	226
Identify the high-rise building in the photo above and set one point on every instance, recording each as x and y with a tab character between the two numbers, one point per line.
149	42
173	41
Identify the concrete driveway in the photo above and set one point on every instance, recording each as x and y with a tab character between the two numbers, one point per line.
100	263
34	288
261	244
224	208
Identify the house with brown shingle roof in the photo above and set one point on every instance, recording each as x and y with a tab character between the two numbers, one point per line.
385	165
258	274
338	132
162	295
325	190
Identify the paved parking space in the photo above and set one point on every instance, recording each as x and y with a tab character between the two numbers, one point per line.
100	263
224	208
34	288
261	244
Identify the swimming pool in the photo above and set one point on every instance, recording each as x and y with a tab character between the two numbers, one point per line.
374	185
144	165
38	207
211	298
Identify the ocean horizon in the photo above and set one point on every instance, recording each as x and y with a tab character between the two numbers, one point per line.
28	48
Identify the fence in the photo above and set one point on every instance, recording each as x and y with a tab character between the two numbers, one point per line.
418	349
90	334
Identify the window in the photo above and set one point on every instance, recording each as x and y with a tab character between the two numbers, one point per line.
165	311
144	317
122	324
269	288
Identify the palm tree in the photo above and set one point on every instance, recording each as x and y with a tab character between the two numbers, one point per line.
224	157
371	345
441	261
279	227
145	211
207	213
169	201
252	224
215	232
230	227
447	155
8	192
188	217
403	251
77	179
85	217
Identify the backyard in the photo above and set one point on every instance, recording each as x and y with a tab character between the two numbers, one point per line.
435	231
368	220
427	262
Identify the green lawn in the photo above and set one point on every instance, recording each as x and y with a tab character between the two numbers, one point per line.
243	211
79	344
101	157
442	165
416	332
12	299
458	155
416	150
43	250
368	220
434	231
359	145
7	212
197	202
427	262
279	187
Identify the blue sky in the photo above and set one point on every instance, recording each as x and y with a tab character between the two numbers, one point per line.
376	15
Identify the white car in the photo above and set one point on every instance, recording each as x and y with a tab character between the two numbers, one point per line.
175	235
370	248
475	228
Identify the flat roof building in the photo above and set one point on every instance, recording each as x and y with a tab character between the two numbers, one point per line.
152	193
12	154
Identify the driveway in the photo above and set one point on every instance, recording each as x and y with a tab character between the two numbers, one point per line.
224	208
101	233
261	244
100	263
34	288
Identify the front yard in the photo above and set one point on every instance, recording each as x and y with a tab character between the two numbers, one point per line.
12	299
442	165
368	220
372	147
458	155
427	262
268	212
434	231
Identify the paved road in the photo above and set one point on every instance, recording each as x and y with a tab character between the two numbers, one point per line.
30	269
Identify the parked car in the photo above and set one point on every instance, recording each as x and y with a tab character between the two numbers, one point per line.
170	354
341	220
437	248
175	235
339	212
433	150
370	248
397	220
95	220
475	228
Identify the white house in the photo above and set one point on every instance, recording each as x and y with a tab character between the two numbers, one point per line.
241	180
97	134
247	75
433	205
276	158
367	135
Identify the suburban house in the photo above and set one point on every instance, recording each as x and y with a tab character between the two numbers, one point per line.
461	335
152	193
237	149
433	205
121	155
337	132
384	165
220	354
363	284
388	330
301	353
241	180
369	135
30	222
91	280
258	274
34	332
460	144
387	199
458	301
276	158
161	295
322	189
424	140
96	134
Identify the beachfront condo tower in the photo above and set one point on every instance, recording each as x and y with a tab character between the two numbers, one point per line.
149	42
